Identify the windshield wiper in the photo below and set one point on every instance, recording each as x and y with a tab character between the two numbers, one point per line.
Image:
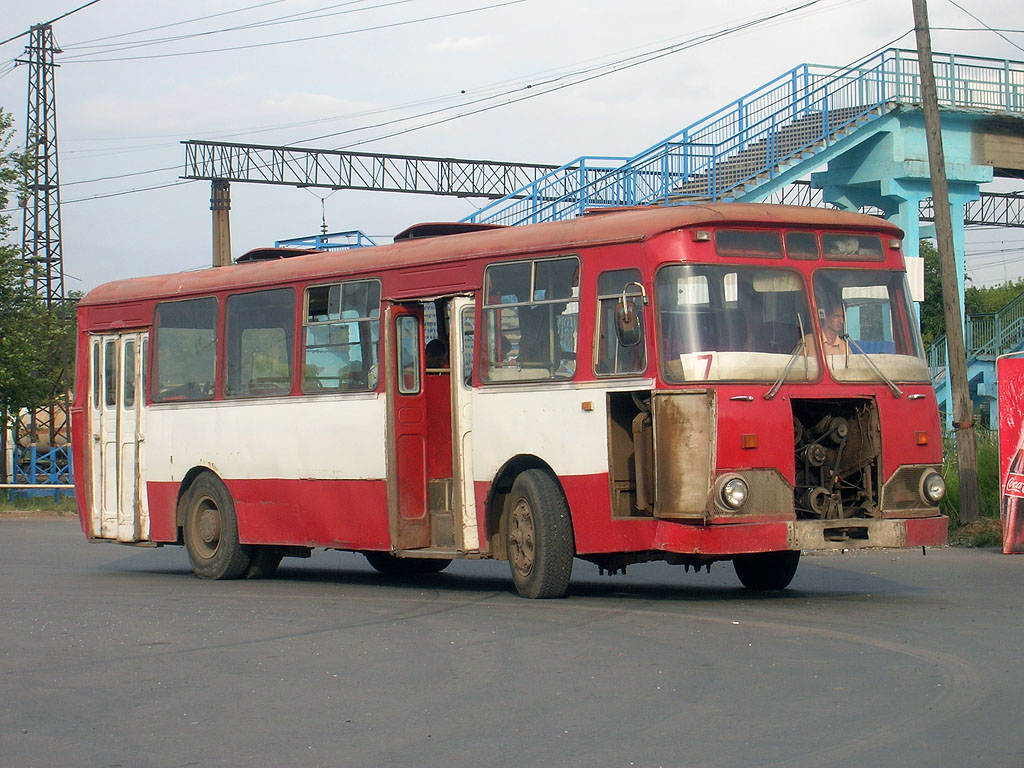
800	349
896	391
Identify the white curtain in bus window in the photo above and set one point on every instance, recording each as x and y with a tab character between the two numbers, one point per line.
408	331
531	320
185	355
729	323
847	247
259	343
619	293
342	331
877	322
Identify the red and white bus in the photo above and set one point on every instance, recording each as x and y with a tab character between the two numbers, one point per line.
689	384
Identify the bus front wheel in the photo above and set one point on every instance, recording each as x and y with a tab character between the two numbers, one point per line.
767	571
211	531
539	536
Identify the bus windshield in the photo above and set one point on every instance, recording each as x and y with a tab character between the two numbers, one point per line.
729	323
873	315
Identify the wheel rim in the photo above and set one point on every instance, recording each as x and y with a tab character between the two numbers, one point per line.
206	528
521	537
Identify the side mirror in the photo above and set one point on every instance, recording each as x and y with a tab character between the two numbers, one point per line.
628	324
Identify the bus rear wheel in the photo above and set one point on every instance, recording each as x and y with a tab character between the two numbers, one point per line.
539	537
767	571
211	531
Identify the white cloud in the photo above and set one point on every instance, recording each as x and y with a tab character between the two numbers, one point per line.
462	44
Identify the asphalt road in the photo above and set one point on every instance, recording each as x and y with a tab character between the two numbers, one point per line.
118	656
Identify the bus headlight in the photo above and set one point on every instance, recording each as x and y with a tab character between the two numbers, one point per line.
733	492
933	487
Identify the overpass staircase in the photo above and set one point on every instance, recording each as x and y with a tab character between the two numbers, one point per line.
986	336
764	140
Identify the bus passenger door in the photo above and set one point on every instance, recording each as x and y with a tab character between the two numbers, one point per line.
463	314
408	507
118	509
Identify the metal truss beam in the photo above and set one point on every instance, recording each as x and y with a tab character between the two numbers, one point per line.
994	209
298	167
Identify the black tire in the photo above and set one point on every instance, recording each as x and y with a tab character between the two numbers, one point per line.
211	531
539	536
389	565
263	562
767	571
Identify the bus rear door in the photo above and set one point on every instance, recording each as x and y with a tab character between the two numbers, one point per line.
119	509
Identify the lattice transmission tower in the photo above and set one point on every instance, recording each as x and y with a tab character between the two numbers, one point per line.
41	241
41	237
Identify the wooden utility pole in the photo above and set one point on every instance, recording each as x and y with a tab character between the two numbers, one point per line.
963	410
220	204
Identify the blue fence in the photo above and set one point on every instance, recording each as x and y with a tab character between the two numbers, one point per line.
32	467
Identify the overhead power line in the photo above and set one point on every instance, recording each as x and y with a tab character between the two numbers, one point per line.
51	21
291	18
177	23
986	26
84	58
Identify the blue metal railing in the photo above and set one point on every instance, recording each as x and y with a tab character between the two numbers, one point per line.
330	241
754	138
32	467
989	333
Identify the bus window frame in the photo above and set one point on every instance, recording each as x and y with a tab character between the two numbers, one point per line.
224	362
780	264
218	340
304	324
484	365
635	299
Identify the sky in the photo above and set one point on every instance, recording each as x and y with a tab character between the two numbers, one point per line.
137	77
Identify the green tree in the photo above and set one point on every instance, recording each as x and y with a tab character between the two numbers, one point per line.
34	338
977	300
992	298
933	322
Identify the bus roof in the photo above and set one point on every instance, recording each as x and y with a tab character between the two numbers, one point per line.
599	228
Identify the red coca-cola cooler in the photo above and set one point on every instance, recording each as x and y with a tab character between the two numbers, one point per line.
1010	373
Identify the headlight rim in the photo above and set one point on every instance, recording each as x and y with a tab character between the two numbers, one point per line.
723	499
929	498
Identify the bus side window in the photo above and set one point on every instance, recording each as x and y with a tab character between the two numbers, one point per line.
408	355
185	358
342	333
110	374
530	320
611	356
129	374
468	325
96	377
260	343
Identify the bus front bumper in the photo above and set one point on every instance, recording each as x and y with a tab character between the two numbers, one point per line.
851	533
